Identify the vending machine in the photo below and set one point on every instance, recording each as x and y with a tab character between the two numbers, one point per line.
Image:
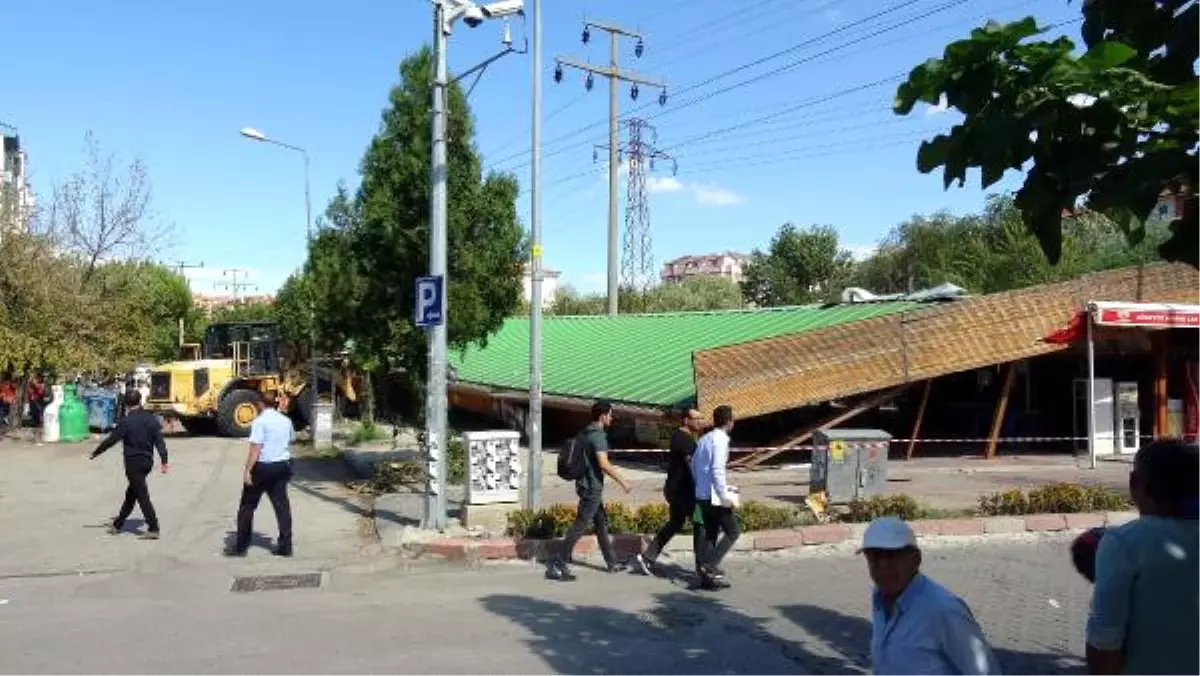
1127	418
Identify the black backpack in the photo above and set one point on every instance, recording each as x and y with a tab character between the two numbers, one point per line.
572	458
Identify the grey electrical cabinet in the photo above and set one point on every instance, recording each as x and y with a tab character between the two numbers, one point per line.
849	464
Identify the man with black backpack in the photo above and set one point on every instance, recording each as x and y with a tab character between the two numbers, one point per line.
584	460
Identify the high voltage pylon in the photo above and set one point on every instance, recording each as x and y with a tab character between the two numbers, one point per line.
640	154
615	74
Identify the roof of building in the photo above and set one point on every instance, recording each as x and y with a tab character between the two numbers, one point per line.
637	358
789	371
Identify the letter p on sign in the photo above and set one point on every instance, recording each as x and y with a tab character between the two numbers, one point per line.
430	308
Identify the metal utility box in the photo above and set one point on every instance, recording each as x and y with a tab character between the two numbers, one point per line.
493	466
849	464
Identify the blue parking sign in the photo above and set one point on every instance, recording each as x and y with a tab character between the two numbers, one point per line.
431	301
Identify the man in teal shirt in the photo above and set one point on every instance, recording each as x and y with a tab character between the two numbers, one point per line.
1145	613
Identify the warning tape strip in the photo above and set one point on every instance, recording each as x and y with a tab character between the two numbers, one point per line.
809	447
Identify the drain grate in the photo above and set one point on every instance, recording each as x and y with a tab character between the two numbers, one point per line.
257	583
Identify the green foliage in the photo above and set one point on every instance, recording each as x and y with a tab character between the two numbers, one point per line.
1055	498
800	266
1116	125
903	506
366	431
693	294
362	266
994	251
553	521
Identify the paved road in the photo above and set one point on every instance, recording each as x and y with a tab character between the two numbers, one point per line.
166	607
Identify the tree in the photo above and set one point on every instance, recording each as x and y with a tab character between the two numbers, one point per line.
145	302
361	269
104	211
1115	127
800	266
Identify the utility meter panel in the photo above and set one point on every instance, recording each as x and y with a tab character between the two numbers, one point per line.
849	464
493	466
1127	418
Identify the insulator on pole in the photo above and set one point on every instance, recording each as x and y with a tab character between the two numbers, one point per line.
639	48
558	73
587	84
587	34
633	91
662	98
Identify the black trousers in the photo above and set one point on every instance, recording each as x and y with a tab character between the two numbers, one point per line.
136	471
681	505
717	520
590	513
270	478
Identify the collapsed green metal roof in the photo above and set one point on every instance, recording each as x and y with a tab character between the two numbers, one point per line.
637	358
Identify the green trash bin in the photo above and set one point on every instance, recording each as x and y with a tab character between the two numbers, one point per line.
73	418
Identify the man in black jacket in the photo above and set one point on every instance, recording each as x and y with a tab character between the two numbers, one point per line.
679	490
140	433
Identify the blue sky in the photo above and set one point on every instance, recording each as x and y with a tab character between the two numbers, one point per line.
172	83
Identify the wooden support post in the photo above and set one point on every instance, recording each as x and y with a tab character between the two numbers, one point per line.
1001	409
1159	341
870	402
916	429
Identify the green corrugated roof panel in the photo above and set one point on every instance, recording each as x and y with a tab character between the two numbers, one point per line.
642	359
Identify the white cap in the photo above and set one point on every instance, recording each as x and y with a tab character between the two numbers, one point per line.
888	532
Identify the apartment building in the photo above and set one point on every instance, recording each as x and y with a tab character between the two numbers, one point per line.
15	191
210	302
729	264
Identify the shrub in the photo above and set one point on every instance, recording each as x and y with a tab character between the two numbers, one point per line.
1055	498
365	431
456	461
387	477
553	521
903	506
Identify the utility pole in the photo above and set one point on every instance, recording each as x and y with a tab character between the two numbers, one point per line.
180	266
615	75
533	489
637	259
235	286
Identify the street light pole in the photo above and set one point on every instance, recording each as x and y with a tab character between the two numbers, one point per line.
534	466
256	135
435	396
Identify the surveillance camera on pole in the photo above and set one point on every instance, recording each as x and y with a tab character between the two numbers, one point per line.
473	14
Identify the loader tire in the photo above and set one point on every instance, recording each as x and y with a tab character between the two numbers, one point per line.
236	412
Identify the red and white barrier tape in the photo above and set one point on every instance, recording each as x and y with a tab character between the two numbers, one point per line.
809	447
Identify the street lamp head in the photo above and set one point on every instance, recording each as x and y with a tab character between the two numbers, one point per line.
252	133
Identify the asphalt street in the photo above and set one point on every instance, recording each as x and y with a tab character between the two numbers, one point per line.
74	600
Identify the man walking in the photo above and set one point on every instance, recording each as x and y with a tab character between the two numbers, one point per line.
715	500
268	470
590	489
140	433
917	625
679	490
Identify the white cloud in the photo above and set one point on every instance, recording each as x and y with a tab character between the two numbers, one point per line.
664	184
715	195
942	106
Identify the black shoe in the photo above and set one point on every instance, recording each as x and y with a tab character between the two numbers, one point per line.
614	568
235	553
114	529
643	565
559	572
149	535
285	552
713	583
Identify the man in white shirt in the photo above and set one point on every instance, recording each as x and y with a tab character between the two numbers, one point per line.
268	470
716	515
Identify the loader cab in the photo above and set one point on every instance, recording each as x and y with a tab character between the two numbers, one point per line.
253	346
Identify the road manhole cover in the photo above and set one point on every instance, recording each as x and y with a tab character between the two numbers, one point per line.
257	583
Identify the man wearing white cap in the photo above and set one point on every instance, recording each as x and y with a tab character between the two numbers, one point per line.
917	625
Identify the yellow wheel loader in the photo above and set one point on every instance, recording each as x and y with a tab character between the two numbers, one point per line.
215	385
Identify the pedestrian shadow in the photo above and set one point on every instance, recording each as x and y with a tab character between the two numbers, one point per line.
682	633
256	540
308	471
851	636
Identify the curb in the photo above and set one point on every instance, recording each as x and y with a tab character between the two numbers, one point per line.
475	550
